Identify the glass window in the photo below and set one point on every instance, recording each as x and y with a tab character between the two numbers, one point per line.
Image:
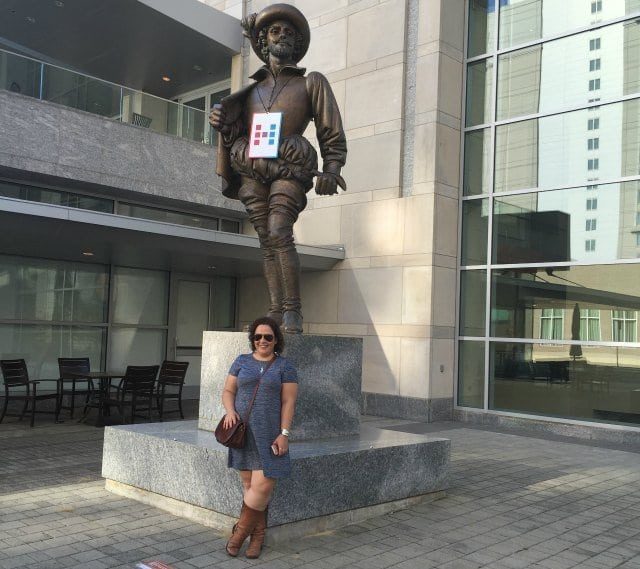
593	143
551	76
40	345
557	142
528	302
140	296
528	20
479	91
482	15
589	324
55	197
473	287
136	346
551	324
471	374
590	245
230	226
477	162
550	226
625	325
594	44
224	303
53	291
597	383
475	217
167	216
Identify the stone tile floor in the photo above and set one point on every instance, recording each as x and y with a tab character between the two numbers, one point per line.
517	500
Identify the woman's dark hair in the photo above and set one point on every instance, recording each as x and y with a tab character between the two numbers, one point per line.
266	321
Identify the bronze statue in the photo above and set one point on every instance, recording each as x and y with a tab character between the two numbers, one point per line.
264	160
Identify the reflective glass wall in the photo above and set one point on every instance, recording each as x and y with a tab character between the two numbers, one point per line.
115	316
550	238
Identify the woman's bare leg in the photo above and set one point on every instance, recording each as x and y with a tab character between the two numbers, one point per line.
245	478
260	489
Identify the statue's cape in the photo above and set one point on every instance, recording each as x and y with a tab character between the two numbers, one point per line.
233	106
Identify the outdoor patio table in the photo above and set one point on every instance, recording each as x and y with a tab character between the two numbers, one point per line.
99	396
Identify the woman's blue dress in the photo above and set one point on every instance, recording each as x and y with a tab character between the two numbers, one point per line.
264	422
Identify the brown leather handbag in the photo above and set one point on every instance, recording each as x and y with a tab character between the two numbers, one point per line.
236	435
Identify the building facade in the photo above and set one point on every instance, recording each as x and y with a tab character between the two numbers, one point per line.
486	249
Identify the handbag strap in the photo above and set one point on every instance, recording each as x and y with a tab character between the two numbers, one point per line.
255	391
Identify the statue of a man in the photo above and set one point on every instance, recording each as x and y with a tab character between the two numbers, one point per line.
264	160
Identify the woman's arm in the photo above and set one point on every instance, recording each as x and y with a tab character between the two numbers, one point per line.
229	401
289	394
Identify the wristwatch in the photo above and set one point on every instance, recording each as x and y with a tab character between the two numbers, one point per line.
285	432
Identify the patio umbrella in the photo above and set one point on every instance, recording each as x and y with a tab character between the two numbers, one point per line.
576	349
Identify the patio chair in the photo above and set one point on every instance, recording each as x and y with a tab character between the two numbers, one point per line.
78	386
18	387
135	389
170	383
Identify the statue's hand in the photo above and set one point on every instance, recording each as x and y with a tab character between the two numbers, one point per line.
217	119
326	184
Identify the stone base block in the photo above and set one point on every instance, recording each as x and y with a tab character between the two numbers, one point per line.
329	477
329	375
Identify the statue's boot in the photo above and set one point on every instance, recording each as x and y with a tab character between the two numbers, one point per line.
289	265
271	271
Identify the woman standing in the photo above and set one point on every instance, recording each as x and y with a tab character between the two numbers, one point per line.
265	457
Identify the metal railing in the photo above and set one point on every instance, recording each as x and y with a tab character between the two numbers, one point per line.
48	82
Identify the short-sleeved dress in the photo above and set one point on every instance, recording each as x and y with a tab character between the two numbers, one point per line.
264	421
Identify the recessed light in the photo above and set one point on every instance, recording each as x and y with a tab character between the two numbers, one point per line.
30	19
211	268
58	3
166	78
197	67
88	253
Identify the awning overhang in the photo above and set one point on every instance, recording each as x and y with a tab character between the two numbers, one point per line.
63	233
134	43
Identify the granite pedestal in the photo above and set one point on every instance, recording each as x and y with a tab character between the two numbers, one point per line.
349	474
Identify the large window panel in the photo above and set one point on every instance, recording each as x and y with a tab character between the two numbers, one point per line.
477	162
224	303
136	346
554	226
596	383
523	21
41	345
54	291
140	296
580	303
482	14
475	223
473	289
554	151
479	91
556	75
471	374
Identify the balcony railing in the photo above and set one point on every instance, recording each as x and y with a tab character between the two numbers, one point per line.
51	83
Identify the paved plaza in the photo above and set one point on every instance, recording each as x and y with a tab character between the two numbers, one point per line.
516	500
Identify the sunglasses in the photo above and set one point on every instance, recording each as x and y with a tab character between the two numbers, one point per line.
267	337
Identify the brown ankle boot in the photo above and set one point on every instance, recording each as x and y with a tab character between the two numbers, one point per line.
249	518
257	538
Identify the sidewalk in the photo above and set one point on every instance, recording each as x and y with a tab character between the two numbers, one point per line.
516	500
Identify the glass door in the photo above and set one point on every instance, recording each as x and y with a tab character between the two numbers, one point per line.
191	314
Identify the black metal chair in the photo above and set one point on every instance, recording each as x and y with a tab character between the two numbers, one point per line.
17	386
79	386
135	389
170	384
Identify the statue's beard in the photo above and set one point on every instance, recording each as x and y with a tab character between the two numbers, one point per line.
281	50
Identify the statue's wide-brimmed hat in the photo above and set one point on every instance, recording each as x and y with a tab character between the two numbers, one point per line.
254	23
